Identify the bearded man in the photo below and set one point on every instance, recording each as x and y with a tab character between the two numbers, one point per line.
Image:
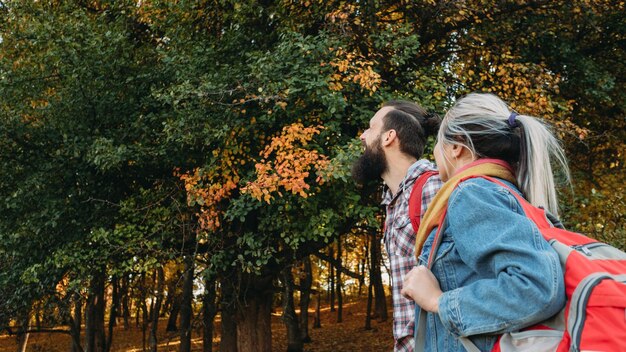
394	145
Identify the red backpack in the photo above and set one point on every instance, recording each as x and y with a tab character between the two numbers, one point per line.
415	198
595	285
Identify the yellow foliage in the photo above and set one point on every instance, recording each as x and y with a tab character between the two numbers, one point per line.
351	66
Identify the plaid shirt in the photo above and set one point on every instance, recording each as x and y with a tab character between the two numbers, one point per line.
399	241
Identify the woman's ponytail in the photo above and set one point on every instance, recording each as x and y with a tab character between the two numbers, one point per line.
484	124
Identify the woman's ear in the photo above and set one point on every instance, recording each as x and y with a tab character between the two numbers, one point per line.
457	150
460	151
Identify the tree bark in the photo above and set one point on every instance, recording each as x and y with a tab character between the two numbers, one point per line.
174	297
368	311
125	302
294	336
338	283
209	310
317	323
363	266
113	313
228	342
331	275
305	299
174	312
75	324
160	283
94	315
144	311
23	334
186	312
254	329
380	303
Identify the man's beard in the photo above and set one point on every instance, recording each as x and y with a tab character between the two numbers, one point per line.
371	165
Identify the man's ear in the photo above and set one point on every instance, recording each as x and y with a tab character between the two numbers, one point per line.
388	137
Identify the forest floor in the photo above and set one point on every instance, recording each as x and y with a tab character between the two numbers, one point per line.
348	335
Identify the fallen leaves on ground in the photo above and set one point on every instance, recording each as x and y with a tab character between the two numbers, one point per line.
348	335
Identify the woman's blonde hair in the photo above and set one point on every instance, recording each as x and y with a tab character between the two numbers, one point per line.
480	122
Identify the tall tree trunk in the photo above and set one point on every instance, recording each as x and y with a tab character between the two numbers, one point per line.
339	283
125	302
294	337
145	316
75	324
363	266
331	286
174	312
175	298
254	329
317	322
115	302
305	299
94	315
228	340
368	311
186	312
380	303
160	285
23	334
172	296
209	310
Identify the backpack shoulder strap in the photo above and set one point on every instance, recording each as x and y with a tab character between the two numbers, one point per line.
415	199
541	218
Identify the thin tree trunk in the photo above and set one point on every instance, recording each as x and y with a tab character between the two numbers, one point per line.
172	302
363	266
113	314
23	334
174	312
294	337
380	303
186	312
160	283
125	302
209	310
368	311
145	316
331	286
317	322
305	299
175	297
339	283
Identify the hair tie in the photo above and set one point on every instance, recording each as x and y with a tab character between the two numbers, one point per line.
512	122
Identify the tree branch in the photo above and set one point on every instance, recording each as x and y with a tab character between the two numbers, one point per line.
338	266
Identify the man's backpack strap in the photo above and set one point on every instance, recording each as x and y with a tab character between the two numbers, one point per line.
415	199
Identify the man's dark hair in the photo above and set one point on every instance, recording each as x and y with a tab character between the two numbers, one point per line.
413	125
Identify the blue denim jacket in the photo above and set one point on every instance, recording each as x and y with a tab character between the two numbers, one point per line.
497	272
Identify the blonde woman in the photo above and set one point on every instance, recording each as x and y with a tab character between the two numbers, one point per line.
493	272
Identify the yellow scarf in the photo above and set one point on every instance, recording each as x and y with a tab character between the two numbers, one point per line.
437	207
